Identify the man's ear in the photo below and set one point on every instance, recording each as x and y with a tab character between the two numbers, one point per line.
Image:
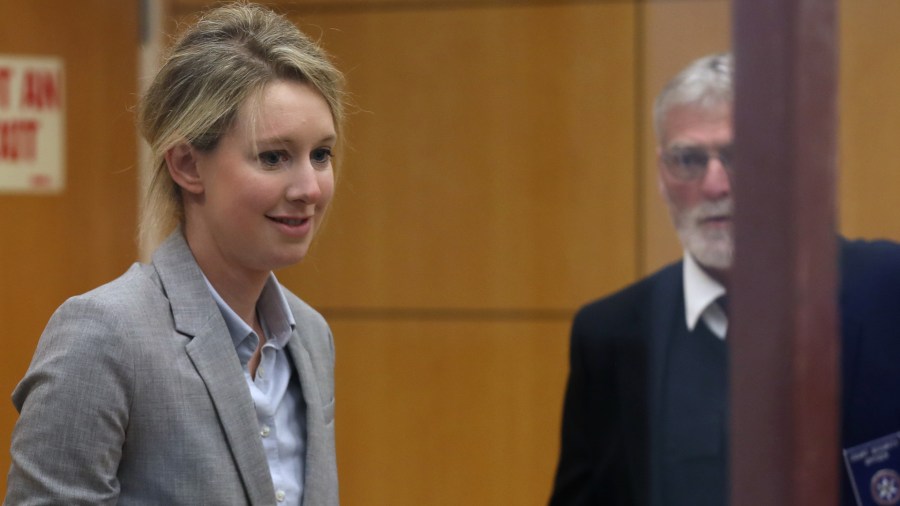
660	186
181	161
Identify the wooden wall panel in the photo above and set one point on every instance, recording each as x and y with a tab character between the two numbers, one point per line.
447	413
489	161
869	111
181	7
55	246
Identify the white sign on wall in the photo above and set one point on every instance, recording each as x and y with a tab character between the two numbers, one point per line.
32	125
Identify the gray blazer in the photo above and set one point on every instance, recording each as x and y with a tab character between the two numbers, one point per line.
135	396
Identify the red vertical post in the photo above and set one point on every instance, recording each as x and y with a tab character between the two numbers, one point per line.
784	343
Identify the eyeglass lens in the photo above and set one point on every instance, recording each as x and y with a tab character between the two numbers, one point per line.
691	162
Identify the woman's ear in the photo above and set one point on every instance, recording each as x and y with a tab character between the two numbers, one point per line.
181	161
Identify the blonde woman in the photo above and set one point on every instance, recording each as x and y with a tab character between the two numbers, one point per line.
198	378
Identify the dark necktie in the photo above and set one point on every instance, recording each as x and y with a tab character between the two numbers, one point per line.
722	301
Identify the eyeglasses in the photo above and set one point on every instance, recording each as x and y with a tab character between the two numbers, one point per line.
689	163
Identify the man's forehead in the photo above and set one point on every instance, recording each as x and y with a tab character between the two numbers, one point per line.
698	125
699	112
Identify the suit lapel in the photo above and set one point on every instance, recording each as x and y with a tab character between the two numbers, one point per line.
666	319
212	353
317	473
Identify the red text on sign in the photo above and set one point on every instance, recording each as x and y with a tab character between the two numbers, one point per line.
18	140
5	91
40	90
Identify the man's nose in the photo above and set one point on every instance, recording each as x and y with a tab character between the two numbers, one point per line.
716	182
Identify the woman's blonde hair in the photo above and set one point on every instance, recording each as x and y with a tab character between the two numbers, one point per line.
230	54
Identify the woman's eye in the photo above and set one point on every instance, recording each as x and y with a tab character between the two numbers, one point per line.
272	158
321	155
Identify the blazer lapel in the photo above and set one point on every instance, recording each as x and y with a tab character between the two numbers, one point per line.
212	353
315	483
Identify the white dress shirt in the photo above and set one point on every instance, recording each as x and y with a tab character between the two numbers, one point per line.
700	294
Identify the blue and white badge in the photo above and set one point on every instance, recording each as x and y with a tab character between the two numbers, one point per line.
874	469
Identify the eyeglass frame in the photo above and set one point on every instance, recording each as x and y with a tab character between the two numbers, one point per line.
673	159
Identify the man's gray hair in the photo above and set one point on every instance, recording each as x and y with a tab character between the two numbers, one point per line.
706	83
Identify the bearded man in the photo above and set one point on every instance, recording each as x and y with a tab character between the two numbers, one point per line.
646	419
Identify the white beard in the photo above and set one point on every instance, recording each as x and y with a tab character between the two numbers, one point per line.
711	247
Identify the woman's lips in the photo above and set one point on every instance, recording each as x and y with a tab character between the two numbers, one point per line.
291	225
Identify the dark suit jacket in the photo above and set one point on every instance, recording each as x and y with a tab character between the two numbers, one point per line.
870	326
617	345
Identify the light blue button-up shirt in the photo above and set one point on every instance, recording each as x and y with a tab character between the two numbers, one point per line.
276	391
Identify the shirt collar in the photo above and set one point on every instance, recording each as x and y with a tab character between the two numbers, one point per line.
274	314
700	290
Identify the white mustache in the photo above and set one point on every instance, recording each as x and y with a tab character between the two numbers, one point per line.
706	210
